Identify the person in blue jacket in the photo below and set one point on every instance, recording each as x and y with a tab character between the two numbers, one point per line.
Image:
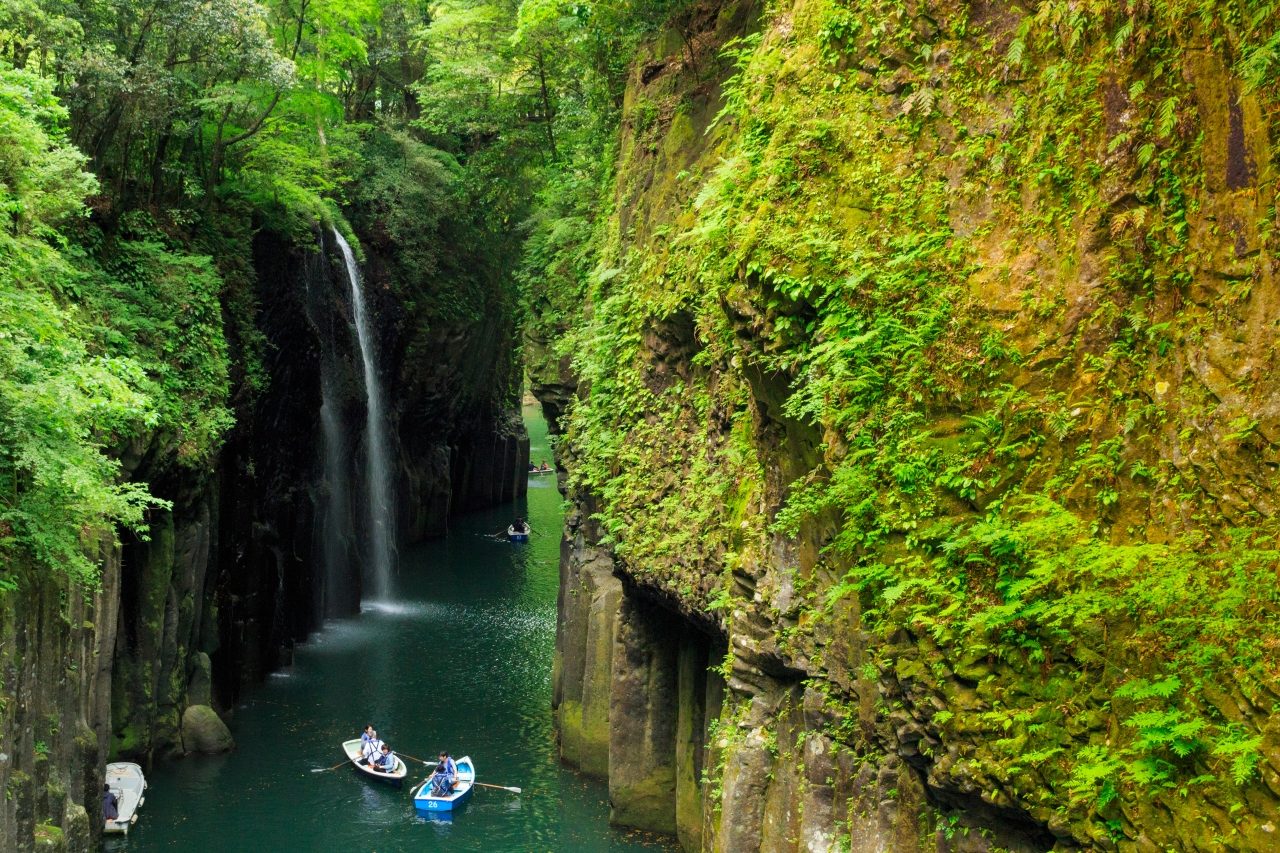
384	761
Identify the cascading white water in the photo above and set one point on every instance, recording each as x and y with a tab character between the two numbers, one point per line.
380	515
334	548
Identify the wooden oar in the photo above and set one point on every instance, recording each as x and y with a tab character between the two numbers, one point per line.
513	789
419	760
327	769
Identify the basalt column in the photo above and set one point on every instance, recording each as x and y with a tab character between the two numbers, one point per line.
589	599
643	712
56	646
271	583
635	691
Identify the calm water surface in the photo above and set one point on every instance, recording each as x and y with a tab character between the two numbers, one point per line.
460	659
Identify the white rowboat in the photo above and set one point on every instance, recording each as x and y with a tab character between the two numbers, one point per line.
395	777
127	783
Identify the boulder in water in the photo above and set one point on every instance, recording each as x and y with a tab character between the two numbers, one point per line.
204	731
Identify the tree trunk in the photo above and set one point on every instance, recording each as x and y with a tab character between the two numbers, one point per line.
546	104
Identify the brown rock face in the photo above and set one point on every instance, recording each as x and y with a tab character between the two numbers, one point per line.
1104	344
643	716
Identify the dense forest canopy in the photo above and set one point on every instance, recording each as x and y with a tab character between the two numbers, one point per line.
144	142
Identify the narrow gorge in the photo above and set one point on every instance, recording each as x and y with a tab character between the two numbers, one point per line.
211	596
908	368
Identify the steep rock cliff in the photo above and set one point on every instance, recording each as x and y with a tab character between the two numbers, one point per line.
56	649
925	367
253	553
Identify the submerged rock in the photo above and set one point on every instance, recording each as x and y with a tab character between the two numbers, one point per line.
204	731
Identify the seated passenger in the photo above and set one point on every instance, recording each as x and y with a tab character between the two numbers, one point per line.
520	526
370	746
110	803
441	782
384	761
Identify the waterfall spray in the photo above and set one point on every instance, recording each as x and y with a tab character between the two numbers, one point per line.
379	469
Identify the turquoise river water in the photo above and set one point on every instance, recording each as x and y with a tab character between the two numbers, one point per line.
460	658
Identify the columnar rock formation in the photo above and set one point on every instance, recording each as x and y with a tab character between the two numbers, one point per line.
844	310
56	648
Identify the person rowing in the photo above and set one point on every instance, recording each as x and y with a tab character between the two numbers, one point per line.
442	779
520	527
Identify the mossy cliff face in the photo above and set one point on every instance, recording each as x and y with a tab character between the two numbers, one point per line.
926	366
56	647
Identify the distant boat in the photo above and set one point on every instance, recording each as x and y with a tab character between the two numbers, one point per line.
395	778
542	470
517	537
127	783
423	801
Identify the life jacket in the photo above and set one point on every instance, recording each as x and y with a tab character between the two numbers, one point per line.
371	749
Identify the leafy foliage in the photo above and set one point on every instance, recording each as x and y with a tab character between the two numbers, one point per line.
61	404
835	240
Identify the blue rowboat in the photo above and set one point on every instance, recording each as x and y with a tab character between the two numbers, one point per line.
423	801
517	537
395	778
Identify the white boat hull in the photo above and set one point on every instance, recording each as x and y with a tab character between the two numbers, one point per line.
395	777
129	785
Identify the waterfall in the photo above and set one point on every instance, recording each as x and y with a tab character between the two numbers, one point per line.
336	466
375	437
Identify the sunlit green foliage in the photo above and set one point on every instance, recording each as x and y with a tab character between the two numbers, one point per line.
967	496
62	405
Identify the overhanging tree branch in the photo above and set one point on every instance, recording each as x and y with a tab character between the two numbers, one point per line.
257	125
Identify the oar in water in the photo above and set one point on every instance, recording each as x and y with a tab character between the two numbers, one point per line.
419	760
327	769
512	789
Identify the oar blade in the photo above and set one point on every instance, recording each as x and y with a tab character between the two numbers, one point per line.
514	790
